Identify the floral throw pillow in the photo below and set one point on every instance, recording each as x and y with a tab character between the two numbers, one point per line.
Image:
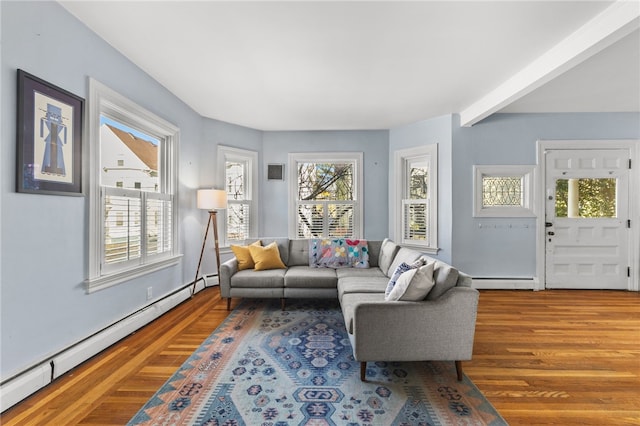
338	253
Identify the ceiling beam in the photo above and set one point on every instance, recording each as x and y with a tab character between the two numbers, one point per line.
614	23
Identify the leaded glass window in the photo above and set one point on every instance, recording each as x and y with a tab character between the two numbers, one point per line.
503	191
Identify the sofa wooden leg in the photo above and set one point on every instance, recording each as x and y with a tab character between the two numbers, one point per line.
283	302
459	370
228	303
363	371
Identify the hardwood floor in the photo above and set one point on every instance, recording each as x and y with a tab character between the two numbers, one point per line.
549	357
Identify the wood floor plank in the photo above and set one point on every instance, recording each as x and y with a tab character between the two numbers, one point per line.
550	357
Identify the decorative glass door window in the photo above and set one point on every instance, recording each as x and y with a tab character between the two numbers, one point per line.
503	191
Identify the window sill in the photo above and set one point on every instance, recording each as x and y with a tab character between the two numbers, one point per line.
421	248
100	283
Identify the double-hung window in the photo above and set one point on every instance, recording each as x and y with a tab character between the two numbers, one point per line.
133	208
240	182
325	195
416	190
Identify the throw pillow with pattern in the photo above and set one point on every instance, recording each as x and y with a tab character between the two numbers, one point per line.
338	253
402	268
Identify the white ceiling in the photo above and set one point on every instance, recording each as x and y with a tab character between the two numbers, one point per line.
370	65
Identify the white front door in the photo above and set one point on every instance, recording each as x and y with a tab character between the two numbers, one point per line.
587	212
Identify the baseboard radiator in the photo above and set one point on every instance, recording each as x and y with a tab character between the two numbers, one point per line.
493	283
20	386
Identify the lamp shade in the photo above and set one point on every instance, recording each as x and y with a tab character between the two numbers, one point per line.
212	199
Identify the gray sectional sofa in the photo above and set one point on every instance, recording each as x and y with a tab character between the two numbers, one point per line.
439	328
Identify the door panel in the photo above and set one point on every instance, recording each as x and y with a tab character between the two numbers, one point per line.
587	239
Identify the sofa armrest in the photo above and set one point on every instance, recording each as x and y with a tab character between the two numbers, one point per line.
437	330
227	269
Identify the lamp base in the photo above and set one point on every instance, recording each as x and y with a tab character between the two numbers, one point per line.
213	220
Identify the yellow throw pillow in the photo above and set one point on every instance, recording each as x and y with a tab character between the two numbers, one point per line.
266	257
242	253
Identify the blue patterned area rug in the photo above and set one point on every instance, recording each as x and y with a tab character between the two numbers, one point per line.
263	366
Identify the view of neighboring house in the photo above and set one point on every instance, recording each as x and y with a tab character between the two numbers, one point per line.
127	161
131	163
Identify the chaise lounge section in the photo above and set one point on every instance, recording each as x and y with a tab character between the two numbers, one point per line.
438	327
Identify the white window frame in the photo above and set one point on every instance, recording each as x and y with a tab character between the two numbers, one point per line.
524	172
105	101
227	153
356	158
402	158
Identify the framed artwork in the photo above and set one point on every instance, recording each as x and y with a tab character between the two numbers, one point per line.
49	130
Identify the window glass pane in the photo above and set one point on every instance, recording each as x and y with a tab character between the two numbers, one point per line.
128	157
158	226
235	177
238	221
418	180
586	197
503	191
415	221
340	220
310	220
121	228
325	181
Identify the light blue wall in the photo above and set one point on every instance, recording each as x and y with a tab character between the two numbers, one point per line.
274	194
506	247
44	307
427	132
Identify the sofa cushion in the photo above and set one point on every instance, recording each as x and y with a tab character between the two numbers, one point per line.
388	251
413	285
350	285
373	272
405	255
308	277
298	252
266	257
250	278
374	252
401	269
243	255
445	277
350	301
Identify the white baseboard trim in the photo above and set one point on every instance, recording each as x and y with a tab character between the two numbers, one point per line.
35	378
505	283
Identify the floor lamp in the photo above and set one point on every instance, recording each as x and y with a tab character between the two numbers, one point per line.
211	200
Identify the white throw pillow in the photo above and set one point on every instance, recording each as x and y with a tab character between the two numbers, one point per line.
413	285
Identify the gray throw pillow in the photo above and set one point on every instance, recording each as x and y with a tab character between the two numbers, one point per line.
445	277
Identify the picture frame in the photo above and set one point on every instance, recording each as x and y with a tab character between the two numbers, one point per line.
49	138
